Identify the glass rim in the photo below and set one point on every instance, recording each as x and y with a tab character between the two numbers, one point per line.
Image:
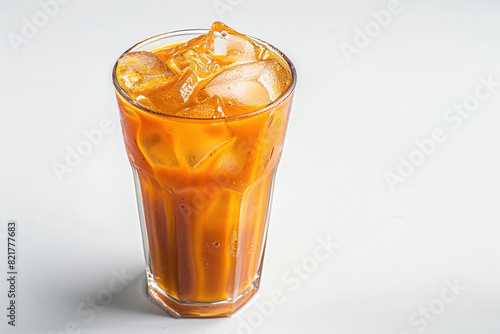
289	91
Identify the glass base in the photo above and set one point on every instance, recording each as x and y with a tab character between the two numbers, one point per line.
179	309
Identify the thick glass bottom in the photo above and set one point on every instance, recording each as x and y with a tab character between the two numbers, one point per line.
179	309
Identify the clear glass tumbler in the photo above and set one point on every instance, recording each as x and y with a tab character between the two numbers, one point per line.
204	190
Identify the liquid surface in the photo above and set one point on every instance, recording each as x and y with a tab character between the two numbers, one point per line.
223	73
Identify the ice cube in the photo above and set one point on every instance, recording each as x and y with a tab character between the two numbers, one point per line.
199	142
231	47
253	85
158	149
211	108
140	72
183	89
197	44
203	64
234	159
145	101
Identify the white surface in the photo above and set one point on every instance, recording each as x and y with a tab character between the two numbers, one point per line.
351	121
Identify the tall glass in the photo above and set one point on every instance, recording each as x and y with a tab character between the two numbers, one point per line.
204	190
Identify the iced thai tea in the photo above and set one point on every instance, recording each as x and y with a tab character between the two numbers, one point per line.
204	116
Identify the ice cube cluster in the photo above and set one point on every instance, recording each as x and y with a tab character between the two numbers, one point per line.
220	74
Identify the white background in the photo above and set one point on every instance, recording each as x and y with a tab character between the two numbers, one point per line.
352	119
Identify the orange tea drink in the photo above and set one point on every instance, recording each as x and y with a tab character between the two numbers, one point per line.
204	115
